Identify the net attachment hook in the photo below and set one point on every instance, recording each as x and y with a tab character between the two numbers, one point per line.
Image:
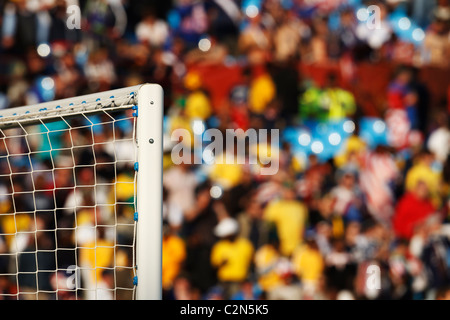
135	108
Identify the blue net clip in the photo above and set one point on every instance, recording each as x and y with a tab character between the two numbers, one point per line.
135	281
136	216
135	114
136	166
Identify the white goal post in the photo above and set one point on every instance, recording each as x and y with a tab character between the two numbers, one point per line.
65	147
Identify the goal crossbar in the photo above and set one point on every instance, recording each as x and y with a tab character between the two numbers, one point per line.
95	102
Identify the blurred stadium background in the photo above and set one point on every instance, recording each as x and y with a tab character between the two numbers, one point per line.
364	120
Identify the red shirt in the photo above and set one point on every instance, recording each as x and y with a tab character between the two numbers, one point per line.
409	212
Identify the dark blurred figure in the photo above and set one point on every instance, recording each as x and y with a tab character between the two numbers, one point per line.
198	232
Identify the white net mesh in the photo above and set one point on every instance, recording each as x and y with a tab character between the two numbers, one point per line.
67	203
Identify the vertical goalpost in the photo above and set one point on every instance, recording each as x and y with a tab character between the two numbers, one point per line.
149	192
136	110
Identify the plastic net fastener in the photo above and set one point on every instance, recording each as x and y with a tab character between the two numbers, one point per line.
135	108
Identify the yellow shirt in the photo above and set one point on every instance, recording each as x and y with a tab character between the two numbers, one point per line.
226	174
289	217
198	106
15	223
342	103
421	172
232	259
266	258
262	91
179	122
192	81
123	192
98	255
125	187
173	254
308	263
353	144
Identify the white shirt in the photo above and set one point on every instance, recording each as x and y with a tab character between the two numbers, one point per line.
181	186
155	34
439	143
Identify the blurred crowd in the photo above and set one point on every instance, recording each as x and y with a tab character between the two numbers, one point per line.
354	216
67	207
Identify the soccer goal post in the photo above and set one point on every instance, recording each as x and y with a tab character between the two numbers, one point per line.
81	197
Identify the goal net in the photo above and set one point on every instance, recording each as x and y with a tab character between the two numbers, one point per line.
81	197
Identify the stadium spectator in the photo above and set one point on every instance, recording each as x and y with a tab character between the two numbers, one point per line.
308	265
174	253
437	43
289	216
412	209
231	256
151	30
422	170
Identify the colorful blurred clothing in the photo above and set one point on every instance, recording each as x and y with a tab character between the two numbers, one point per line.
173	255
262	92
232	259
376	179
327	104
410	211
424	173
198	106
308	263
353	150
98	255
227	175
289	217
266	259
